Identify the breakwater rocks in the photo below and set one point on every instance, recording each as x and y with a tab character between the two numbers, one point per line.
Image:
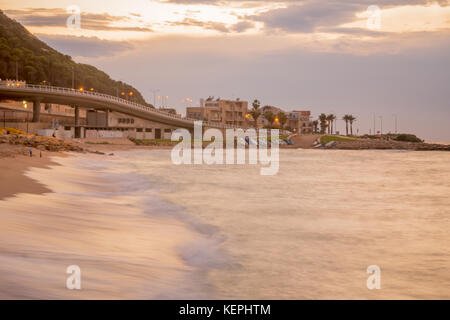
372	144
41	143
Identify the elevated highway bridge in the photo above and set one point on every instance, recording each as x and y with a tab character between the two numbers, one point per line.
92	100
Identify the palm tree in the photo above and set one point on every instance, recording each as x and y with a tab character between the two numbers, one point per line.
330	123
331	118
346	118
323	122
315	124
270	117
351	119
255	112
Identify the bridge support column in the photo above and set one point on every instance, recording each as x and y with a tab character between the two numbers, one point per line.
107	117
77	116
36	111
77	122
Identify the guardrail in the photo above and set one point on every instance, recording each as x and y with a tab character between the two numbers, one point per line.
107	98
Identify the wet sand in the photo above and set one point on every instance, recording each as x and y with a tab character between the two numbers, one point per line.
13	173
123	252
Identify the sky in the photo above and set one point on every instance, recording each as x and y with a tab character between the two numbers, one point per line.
376	59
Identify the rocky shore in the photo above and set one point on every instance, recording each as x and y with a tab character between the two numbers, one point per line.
372	144
13	145
40	143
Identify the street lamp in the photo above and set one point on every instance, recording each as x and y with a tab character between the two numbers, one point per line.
73	78
163	98
25	106
395	116
154	96
381	124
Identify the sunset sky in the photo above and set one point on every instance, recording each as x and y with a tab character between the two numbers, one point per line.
323	56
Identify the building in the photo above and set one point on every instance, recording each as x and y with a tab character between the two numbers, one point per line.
229	112
194	113
300	121
262	121
106	124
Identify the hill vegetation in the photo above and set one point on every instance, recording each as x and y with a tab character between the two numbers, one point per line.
37	63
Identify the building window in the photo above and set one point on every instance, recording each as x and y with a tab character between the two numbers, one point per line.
148	130
139	130
167	130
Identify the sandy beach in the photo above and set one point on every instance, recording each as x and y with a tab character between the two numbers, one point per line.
14	164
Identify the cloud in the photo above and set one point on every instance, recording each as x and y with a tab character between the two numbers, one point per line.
309	15
208	25
91	47
242	26
212	25
40	17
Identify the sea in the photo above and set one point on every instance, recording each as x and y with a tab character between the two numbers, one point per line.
140	227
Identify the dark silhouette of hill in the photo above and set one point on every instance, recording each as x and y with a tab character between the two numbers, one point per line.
37	63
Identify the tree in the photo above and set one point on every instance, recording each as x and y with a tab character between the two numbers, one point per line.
346	118
323	122
331	118
315	124
282	118
255	112
351	119
270	117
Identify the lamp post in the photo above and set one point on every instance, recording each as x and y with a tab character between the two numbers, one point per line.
374	125
25	106
73	78
154	96
381	124
395	117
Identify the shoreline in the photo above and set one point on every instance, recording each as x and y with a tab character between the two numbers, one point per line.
13	172
14	159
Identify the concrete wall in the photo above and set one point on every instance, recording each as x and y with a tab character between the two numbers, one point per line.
61	133
32	127
96	119
105	134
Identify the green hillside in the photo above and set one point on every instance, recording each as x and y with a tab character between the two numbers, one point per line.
37	62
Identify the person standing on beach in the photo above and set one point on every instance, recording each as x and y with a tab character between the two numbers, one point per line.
31	151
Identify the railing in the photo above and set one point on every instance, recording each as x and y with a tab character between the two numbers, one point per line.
108	98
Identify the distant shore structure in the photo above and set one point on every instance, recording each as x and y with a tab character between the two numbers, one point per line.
227	112
235	112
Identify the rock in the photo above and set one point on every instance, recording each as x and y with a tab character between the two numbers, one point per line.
365	144
41	143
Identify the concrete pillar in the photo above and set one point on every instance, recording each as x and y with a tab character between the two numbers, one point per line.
36	111
77	116
77	123
107	117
